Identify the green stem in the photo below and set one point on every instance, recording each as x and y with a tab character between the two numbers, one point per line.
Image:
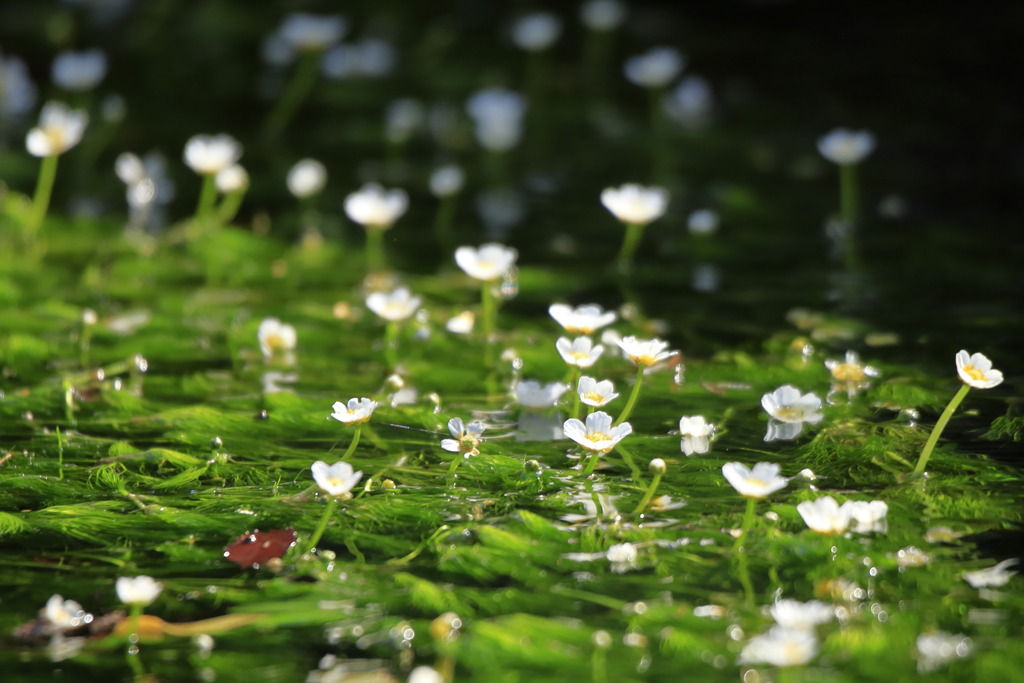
391	344
355	441
629	245
60	454
627	457
443	220
591	464
228	208
740	552
207	196
132	652
374	249
322	527
628	410
44	189
748	521
455	464
648	495
574	385
297	91
929	446
488	306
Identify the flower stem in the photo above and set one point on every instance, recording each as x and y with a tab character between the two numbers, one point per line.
487	305
132	652
44	189
591	464
207	196
355	441
297	91
391	344
322	527
648	495
228	208
748	521
929	446
374	249
628	410
456	461
574	379
629	245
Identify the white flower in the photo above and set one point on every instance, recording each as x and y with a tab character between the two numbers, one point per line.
234	178
462	323
842	146
17	92
335	480
867	517
79	71
602	15
597	434
695	432
635	204
825	515
423	674
402	119
536	31
583	319
702	222
594	393
622	557
393	306
939	648
580	352
312	32
357	410
977	371
447	180
274	336
487	263
64	615
762	480
644	352
912	556
787	404
656	68
801	615
498	115
374	207
306	178
369	58
781	647
997	575
531	394
59	129
850	370
209	154
691	103
140	590
467	437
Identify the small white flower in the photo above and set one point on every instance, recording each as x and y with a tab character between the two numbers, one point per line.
656	68
374	207
763	480
691	103
17	91
393	306
425	674
79	71
447	180
532	394
850	370
695	432
488	263
275	336
594	393
787	404
140	590
635	204
781	647
598	434
369	58
64	615
335	480
59	129
602	15
462	323
977	371
843	146
997	575
312	32
585	319
498	115
702	222
912	556
467	437
536	31
209	154
622	557
801	615
645	352
306	178
581	351
825	515
357	410
937	649
867	517
234	178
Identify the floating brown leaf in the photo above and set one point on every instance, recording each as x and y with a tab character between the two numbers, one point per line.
255	548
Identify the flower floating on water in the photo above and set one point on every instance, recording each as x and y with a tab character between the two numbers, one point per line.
997	575
79	71
635	204
850	374
597	434
467	437
64	615
938	648
645	352
790	410
139	591
306	178
358	410
656	68
394	306
536	31
585	319
275	337
375	208
335	480
825	515
487	263
763	480
594	393
867	517
846	147
60	128
695	432
532	394
912	556
622	557
580	352
781	647
210	154
798	615
976	370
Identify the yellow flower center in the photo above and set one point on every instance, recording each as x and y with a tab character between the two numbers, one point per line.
335	481
755	484
593	396
848	372
275	341
787	413
579	355
974	373
598	436
645	360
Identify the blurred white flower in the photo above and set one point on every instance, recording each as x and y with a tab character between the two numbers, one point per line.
656	68
462	323
498	115
581	351
64	615
370	58
912	556
312	32
635	204
306	178
824	515
997	575
844	147
17	91
802	616
585	319
140	590
851	371
394	306
356	411
536	31
938	648
487	263
232	179
79	71
336	480
644	352
532	394
425	674
702	222
691	103
275	336
867	517
695	432
447	180
60	128
781	647
602	15
594	393
622	556
597	434
977	371
759	482
403	118
376	208
209	154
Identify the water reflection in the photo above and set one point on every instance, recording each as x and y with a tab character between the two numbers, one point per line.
537	427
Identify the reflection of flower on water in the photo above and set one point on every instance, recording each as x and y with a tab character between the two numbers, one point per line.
621	557
535	427
531	394
938	648
781	647
789	410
